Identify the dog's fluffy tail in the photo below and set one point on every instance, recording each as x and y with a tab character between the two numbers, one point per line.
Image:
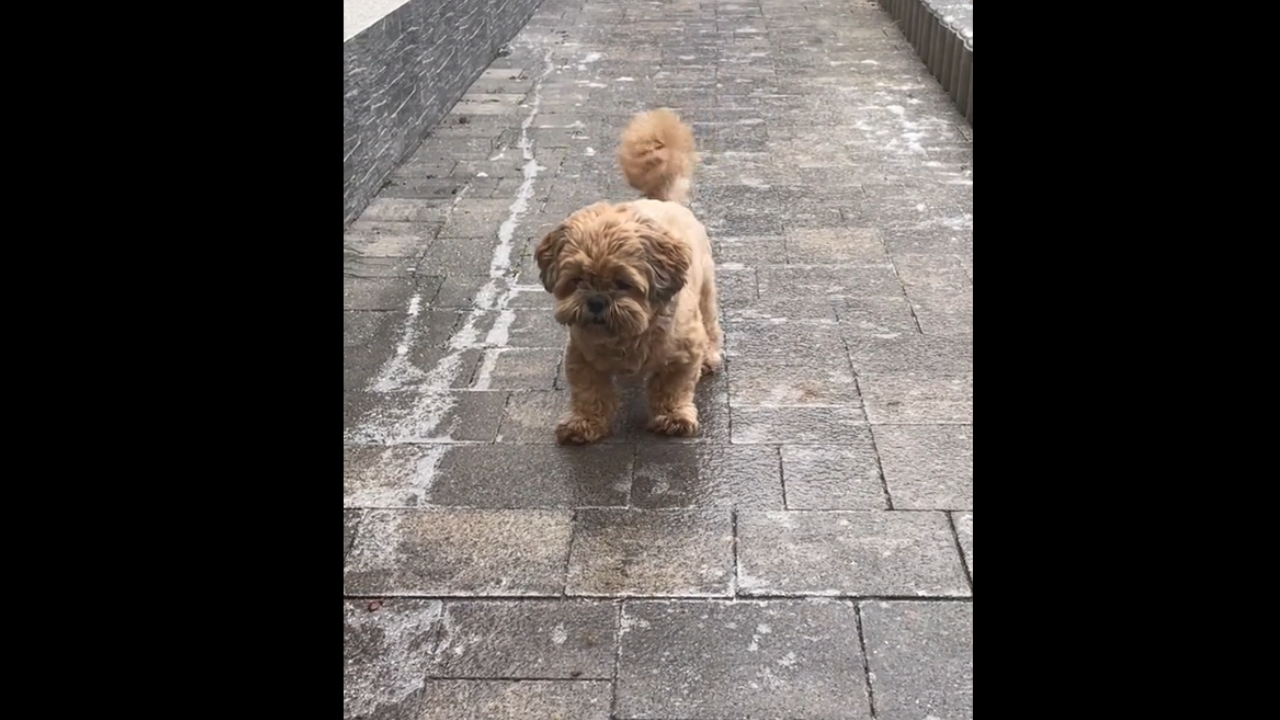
657	155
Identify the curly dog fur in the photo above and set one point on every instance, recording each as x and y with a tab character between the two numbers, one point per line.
635	284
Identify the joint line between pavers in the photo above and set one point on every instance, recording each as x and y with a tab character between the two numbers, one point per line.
955	538
875	447
866	660
617	661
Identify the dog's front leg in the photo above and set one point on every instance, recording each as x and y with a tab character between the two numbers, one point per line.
593	400
671	408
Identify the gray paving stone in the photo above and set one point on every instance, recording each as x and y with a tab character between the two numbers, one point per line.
621	552
734	167
940	292
355	265
796	424
747	250
711	398
920	655
360	365
896	206
459	255
792	343
426	167
761	382
457	551
841	246
350	521
929	240
439	188
531	417
382	293
514	700
368	357
964	532
742	223
911	353
362	327
931	271
476	218
840	477
522	328
378	476
519	368
886	317
748	199
727	661
707	476
784	309
829	281
385	653
528	639
373	418
927	467
735	285
904	398
406	210
854	552
459	291
546	476
817	209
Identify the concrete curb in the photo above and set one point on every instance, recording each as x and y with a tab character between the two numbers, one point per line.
941	32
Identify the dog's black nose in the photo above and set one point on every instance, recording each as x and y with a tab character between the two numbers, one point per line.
595	305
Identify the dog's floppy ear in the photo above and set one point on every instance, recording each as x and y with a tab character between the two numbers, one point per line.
669	261
548	256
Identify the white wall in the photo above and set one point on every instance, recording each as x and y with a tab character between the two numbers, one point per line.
360	14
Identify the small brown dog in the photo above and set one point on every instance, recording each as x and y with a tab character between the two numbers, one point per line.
635	284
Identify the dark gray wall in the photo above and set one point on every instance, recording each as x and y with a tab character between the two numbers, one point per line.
405	72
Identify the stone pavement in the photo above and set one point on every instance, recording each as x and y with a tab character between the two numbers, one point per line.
810	554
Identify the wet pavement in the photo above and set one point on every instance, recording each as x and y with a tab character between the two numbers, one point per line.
810	553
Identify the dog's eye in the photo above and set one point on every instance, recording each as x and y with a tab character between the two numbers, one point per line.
621	285
575	282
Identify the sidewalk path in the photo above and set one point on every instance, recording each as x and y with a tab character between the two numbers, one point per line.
810	553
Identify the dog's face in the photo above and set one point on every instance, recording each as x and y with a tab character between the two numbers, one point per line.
611	270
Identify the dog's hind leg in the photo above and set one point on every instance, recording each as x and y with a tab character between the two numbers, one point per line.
709	307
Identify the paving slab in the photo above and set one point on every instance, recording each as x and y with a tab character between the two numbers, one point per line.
454	552
387	645
853	553
834	477
917	398
725	661
514	700
534	639
708	475
927	467
626	553
920	655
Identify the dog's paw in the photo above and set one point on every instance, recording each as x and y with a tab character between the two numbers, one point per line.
711	363
580	431
677	424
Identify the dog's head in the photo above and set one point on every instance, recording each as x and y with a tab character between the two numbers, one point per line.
611	270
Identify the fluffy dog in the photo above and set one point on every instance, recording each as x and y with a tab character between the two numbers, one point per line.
635	284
